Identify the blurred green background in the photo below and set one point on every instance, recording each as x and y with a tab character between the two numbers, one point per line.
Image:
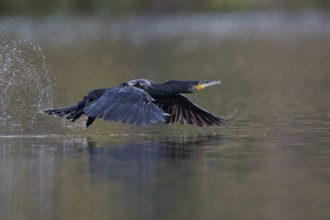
121	7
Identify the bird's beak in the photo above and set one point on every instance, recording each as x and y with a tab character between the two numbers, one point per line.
203	84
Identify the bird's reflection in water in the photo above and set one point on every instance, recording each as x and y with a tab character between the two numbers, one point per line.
151	177
147	176
148	157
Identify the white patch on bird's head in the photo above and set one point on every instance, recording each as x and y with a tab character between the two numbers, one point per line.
140	83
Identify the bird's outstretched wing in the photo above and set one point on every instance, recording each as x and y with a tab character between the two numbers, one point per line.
127	104
182	110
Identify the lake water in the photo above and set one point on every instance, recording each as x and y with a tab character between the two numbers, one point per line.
271	162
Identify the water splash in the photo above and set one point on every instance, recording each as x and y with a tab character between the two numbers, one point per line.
26	86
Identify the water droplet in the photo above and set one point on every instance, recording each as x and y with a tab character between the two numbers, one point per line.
26	87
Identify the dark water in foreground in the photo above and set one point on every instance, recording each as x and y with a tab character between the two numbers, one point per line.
272	162
279	174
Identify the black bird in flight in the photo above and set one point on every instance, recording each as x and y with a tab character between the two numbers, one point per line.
142	102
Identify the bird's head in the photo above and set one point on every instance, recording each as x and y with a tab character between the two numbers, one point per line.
189	86
172	86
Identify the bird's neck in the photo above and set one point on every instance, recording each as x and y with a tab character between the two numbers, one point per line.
175	87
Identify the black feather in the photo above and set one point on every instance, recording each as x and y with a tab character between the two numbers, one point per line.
127	104
182	110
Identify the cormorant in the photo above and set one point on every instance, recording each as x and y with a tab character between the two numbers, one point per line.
143	101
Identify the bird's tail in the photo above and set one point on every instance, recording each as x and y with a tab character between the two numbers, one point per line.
74	112
71	112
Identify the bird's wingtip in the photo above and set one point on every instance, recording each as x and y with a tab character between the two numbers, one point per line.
231	117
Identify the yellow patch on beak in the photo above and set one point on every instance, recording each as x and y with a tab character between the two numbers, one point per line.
199	87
